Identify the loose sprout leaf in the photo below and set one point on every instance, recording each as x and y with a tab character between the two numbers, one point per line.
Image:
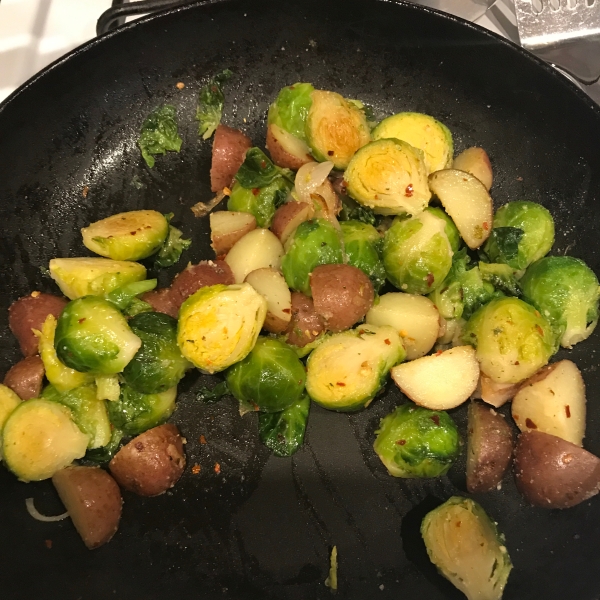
123	296
283	432
172	248
352	211
502	277
503	244
210	104
213	395
257	170
159	134
104	454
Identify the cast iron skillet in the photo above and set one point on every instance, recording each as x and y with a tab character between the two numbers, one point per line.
264	527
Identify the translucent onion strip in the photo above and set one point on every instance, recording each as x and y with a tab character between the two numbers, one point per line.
32	510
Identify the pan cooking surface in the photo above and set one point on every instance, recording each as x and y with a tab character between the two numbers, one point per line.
263	528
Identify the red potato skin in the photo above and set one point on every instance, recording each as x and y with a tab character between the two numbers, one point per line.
280	156
93	500
30	312
306	325
553	473
150	463
229	149
342	295
161	301
26	377
288	216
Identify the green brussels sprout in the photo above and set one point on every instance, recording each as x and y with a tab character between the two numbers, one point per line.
271	377
219	325
523	232
502	277
133	413
158	365
347	369
451	229
173	246
362	243
565	291
92	335
262	202
466	547
390	177
417	442
423	132
314	243
512	339
290	109
106	452
335	128
127	236
283	432
88	413
77	277
417	255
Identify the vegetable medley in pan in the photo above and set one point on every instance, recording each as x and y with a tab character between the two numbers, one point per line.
354	252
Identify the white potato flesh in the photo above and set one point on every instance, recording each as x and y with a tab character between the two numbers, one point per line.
440	381
467	202
477	162
414	317
494	393
286	149
553	401
271	284
257	249
227	227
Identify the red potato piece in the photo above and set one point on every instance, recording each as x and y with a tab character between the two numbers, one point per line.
229	149
227	227
286	150
194	277
287	218
151	463
93	500
29	313
306	325
271	284
490	443
477	162
342	295
553	473
26	377
161	301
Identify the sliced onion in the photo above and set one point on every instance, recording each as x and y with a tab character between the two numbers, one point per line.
32	510
309	177
201	209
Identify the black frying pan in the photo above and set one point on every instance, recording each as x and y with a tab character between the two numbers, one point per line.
264	527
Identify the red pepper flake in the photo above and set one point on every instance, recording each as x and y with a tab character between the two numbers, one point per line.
376	197
263	164
430	279
530	424
387	342
435	419
196	469
133	232
256	191
486	225
409	191
517	363
180	85
85	191
330	152
81	320
287	311
341	384
48	544
439	352
568	411
458	523
202	439
401	442
540	330
217	468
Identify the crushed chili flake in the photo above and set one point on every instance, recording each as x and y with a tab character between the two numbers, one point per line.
341	384
48	544
568	411
227	191
530	424
217	468
401	442
430	279
439	352
202	439
540	330
435	419
196	469
409	191
263	165
35	294
133	232
387	342
329	152
486	225
81	320
84	191
180	85
517	363
256	191
287	311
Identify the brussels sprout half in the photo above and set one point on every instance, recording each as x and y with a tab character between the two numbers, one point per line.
513	340
417	255
423	132
362	244
523	232
466	547
390	177
314	243
335	128
219	325
127	236
290	109
271	377
158	365
417	442
93	335
346	370
451	230
565	290
283	432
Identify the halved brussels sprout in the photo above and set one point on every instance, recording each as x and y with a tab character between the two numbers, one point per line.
466	547
283	432
513	340
158	365
92	335
422	132
314	243
523	232
262	202
502	277
565	290
417	442
127	236
271	377
8	402
451	230
133	413
346	370
363	244
390	177
417	255
78	277
335	128
219	325
290	109
89	413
